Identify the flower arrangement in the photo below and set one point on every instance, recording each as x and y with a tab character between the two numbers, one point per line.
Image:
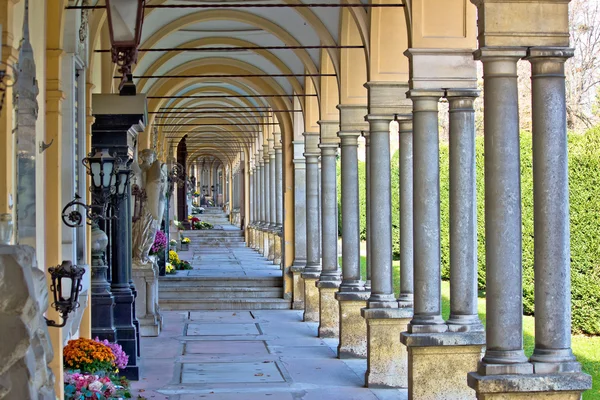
169	269
185	240
88	356
190	217
200	225
160	243
121	358
174	258
90	370
194	220
178	224
184	265
196	194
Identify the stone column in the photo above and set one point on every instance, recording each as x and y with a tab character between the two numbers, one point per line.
386	357
406	213
351	296
504	372
329	280
299	224
313	266
267	199
278	200
261	199
463	213
551	213
368	210
504	307
249	238
428	337
426	185
272	200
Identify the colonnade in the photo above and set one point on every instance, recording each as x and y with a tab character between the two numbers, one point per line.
266	198
405	339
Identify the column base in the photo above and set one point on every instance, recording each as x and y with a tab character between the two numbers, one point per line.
260	243
439	362
387	358
145	279
353	327
560	386
311	297
265	247
277	250
298	286
329	315
251	236
271	254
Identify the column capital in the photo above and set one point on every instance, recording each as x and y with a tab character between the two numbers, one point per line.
508	53
548	61
462	100
349	138
442	68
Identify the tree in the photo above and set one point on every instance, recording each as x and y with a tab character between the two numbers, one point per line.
582	70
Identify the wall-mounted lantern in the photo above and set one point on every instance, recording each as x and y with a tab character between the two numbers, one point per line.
65	278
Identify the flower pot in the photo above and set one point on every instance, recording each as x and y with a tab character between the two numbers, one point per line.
185	246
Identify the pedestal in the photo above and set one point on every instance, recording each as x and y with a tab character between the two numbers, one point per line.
329	311
439	362
387	358
147	310
298	287
561	386
265	246
353	327
311	297
277	249
271	254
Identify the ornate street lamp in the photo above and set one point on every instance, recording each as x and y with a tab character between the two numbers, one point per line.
125	19
108	179
65	278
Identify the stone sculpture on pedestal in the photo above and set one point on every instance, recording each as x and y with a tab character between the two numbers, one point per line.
150	184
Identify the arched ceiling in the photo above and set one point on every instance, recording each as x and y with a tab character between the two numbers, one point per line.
229	110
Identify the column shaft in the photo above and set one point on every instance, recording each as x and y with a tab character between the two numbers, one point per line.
463	213
267	184
380	207
551	213
329	218
279	186
312	214
350	214
426	201
406	214
504	307
273	190
367	209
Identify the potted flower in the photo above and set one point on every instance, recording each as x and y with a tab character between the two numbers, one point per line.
158	247
91	368
172	244
169	269
185	244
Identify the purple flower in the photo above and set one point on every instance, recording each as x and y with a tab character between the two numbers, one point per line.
160	243
121	358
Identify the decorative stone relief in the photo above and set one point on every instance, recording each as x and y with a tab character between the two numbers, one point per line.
25	349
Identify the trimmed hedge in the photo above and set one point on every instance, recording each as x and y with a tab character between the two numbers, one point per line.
584	176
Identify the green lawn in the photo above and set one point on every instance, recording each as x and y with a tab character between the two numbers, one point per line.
586	348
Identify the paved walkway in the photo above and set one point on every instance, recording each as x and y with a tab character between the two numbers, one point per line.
245	355
248	355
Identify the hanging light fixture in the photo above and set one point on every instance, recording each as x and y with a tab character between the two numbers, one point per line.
125	19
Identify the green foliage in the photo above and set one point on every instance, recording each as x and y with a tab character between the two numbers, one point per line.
584	177
584	165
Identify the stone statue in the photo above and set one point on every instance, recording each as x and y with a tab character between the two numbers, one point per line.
25	349
151	179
